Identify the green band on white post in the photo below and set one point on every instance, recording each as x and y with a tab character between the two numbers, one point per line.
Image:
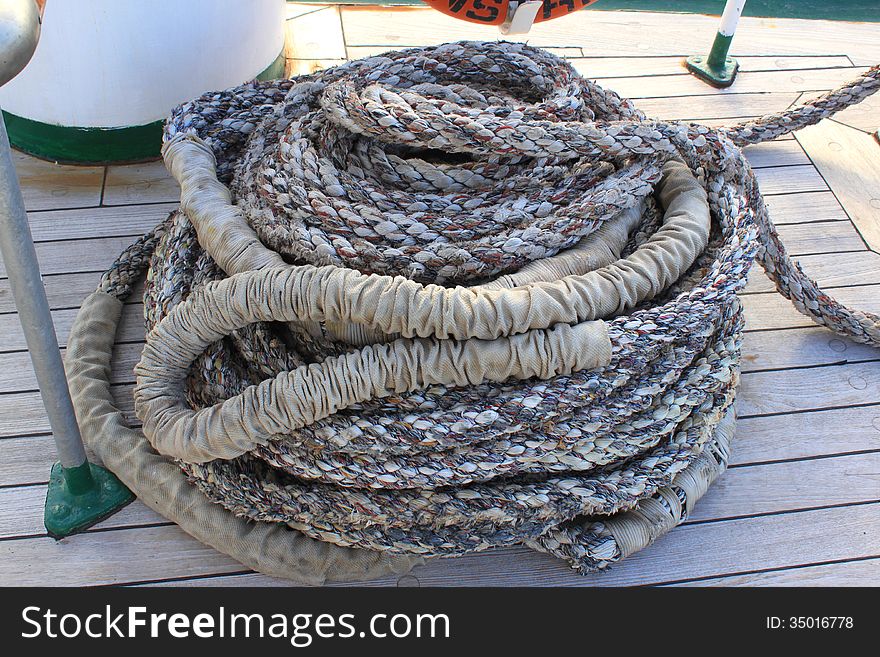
718	69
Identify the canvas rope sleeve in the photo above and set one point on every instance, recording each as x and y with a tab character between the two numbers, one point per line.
309	393
438	301
269	548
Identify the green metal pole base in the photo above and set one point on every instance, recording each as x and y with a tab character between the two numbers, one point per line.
81	497
717	76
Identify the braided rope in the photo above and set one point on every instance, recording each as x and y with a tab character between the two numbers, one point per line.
487	165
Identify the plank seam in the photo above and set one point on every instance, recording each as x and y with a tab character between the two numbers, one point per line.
799	411
758	571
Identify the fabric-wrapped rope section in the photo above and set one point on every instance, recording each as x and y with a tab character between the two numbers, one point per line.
439	301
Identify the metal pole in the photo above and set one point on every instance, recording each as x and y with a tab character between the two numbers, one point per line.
20	257
718	69
80	493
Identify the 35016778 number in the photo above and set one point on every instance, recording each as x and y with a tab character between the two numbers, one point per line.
810	623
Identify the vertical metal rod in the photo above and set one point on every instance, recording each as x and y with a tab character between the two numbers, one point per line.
20	258
79	493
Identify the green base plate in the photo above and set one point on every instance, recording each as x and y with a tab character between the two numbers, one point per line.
69	512
720	78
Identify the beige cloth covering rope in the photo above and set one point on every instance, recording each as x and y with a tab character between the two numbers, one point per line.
312	392
273	549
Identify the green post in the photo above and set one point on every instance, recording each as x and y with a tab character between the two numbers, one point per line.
718	69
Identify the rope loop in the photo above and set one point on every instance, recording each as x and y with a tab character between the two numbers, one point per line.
453	298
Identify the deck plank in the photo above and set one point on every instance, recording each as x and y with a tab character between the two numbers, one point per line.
110	557
56	225
17	373
26	415
802	347
785	487
804	207
776	153
86	255
780	487
45	185
821	237
865	572
308	66
21	513
849	161
834	386
772	311
599	68
850	573
775	541
806	435
97	254
140	183
131	327
623	34
718	106
788	180
829	270
317	35
816	80
865	116
64	290
26	460
826	535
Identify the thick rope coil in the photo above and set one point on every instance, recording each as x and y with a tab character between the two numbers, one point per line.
453	298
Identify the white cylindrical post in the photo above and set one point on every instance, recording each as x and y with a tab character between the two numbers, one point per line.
730	18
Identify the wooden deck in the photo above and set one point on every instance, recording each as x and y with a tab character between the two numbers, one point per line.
801	501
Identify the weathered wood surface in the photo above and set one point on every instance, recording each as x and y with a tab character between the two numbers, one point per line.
849	161
139	183
623	34
815	80
49	186
801	502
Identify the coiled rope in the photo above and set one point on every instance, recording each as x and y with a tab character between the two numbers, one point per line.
452	298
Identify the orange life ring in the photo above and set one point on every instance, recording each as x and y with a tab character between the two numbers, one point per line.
493	12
